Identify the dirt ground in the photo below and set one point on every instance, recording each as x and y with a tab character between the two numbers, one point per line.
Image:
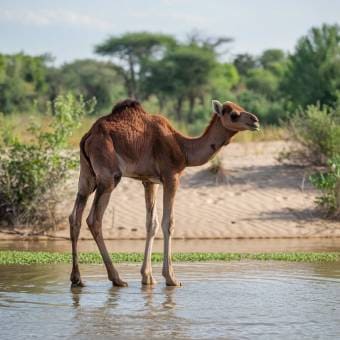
255	196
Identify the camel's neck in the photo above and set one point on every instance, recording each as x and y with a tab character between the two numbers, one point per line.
201	149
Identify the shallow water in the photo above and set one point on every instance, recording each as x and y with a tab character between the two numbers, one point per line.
236	300
197	245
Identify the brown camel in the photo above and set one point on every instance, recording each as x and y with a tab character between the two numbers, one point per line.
129	142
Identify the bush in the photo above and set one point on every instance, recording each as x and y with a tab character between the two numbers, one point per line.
317	133
31	172
329	183
216	168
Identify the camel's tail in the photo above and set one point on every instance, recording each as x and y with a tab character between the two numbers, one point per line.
84	156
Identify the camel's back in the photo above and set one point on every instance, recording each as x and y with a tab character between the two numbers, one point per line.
138	137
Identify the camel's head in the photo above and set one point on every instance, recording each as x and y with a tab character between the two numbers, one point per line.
234	117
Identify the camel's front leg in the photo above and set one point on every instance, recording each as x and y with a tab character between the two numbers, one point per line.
152	226
170	187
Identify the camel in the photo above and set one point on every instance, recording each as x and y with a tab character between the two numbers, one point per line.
129	142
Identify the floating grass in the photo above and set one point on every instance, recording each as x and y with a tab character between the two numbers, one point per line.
30	257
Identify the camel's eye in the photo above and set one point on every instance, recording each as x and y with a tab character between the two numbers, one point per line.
233	116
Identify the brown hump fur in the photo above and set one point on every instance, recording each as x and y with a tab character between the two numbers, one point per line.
125	105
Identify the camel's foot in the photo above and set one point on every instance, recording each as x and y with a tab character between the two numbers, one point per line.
148	279
117	282
76	280
171	281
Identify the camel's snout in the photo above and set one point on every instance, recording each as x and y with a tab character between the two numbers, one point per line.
253	122
257	126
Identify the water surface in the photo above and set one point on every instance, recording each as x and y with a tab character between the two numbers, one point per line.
236	300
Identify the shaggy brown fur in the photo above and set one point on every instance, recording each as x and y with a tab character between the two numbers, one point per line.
129	142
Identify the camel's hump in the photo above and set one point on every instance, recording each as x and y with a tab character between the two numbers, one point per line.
126	105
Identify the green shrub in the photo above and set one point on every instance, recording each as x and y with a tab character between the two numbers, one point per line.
216	165
31	172
329	183
316	131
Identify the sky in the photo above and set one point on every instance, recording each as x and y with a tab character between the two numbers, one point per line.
70	29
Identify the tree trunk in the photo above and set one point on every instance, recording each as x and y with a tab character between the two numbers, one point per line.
161	103
179	108
191	109
133	86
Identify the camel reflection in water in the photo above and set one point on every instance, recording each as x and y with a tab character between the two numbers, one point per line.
151	314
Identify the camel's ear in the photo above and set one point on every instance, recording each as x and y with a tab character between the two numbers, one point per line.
217	107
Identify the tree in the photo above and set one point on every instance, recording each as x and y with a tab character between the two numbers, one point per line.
212	43
244	63
271	56
313	73
184	74
224	78
22	81
91	78
130	53
263	81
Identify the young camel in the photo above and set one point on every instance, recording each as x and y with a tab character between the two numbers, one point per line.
129	142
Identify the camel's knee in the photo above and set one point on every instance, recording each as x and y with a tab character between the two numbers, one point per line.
94	226
152	229
71	220
169	227
171	230
90	222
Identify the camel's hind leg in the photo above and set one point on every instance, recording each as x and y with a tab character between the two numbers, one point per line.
94	221
108	175
86	186
152	225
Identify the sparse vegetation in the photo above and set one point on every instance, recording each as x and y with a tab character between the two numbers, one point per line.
31	171
316	132
216	168
29	257
329	184
216	165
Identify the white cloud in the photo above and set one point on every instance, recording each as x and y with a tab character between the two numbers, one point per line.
47	17
173	16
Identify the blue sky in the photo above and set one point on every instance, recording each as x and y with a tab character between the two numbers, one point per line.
70	29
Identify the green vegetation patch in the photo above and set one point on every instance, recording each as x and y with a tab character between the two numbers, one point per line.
29	257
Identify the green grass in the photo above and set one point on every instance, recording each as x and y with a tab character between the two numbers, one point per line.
29	257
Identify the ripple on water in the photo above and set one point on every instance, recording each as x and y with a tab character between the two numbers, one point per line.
244	299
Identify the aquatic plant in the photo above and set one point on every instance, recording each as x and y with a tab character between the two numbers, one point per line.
8	257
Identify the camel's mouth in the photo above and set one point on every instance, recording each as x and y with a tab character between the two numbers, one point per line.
254	126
